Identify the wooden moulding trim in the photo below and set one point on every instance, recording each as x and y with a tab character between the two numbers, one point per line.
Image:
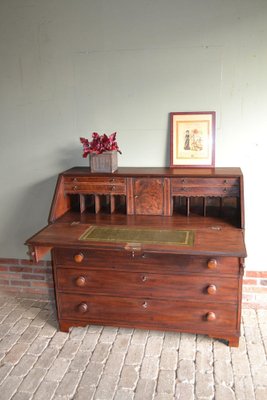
60	203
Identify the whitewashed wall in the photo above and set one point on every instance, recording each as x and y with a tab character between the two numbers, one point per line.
71	67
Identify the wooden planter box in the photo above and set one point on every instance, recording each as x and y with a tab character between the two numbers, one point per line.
105	162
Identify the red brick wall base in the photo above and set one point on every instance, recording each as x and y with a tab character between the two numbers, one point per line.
24	278
255	289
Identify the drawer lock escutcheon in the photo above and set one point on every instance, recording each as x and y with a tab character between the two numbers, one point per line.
144	305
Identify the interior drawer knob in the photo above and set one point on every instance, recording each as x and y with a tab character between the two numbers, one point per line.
144	278
212	263
78	257
82	308
144	305
211	289
80	281
210	316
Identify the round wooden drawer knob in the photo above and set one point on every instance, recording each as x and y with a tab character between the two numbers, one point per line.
211	289
78	257
210	316
212	263
82	308
80	281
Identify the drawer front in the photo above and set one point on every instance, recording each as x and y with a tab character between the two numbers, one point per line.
205	187
183	181
160	313
101	180
148	196
95	189
95	185
142	284
145	262
202	191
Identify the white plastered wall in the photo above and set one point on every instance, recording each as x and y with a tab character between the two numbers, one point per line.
68	68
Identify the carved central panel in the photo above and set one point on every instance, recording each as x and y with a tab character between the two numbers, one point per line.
148	196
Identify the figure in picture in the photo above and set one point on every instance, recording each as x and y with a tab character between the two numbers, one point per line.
196	143
187	140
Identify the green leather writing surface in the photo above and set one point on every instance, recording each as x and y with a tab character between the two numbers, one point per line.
114	234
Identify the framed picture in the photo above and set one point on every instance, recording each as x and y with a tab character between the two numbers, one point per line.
192	139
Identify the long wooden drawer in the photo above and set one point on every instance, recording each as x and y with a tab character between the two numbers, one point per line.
95	189
101	185
206	182
177	315
96	180
147	261
142	284
221	187
205	191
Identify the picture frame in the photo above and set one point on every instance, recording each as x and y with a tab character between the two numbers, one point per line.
192	142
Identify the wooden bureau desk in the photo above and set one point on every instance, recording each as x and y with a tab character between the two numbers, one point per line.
153	248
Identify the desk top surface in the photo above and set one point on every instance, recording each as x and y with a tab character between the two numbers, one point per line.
209	239
160	171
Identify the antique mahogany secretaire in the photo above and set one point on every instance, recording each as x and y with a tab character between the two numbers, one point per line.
153	248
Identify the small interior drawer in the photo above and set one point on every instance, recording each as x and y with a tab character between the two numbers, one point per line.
220	191
101	185
95	180
205	182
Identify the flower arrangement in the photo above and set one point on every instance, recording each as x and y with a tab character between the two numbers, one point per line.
99	144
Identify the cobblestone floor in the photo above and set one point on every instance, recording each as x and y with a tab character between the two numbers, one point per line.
39	362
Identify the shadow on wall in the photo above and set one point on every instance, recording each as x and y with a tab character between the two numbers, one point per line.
30	205
168	145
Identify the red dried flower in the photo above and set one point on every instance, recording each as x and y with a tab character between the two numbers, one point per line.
99	144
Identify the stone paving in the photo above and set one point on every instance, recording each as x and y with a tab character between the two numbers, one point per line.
103	363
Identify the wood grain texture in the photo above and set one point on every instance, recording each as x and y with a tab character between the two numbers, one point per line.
148	312
166	286
148	284
148	196
221	242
